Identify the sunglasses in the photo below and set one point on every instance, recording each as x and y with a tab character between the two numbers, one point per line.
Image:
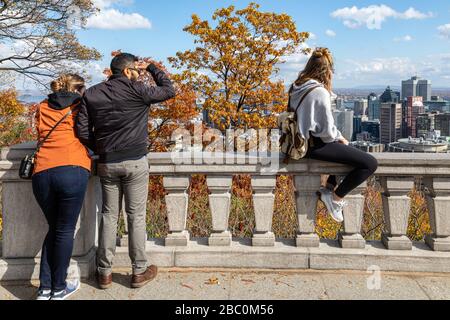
134	69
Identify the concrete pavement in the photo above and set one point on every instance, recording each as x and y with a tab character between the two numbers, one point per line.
226	284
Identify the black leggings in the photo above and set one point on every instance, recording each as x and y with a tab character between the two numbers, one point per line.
365	164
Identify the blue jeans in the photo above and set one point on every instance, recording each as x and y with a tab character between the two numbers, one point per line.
60	194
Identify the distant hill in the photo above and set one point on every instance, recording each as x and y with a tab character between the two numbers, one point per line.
31	98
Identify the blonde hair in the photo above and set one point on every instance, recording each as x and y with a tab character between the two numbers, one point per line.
320	67
67	82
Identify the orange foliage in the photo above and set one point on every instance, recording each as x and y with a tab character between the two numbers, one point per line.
170	115
15	119
233	65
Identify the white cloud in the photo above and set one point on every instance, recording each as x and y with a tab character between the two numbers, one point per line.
293	64
312	36
376	71
444	31
373	16
330	33
393	70
112	19
406	38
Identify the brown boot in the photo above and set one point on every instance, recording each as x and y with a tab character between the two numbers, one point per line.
140	280
104	282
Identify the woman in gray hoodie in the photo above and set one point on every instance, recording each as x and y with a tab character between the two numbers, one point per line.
316	124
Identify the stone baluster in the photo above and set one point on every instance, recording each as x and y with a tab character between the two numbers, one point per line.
396	207
263	204
219	202
306	195
351	238
438	201
177	206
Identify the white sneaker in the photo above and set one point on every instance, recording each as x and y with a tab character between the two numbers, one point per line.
71	288
44	295
335	209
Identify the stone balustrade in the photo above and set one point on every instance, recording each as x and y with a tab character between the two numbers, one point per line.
24	226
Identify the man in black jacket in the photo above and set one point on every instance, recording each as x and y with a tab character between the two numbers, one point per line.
113	122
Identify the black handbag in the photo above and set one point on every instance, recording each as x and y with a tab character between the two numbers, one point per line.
27	164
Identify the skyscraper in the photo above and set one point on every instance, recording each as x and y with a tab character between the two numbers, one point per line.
390	96
416	87
390	122
373	128
360	107
412	107
442	123
344	122
340	104
425	123
357	125
374	105
437	104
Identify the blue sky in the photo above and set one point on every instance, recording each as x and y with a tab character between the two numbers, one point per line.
374	43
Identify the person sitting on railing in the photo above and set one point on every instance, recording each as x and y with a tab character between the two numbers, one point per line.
316	124
61	173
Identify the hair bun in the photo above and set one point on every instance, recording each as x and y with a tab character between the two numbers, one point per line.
67	82
318	54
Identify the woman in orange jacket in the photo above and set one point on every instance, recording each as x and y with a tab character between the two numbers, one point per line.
60	179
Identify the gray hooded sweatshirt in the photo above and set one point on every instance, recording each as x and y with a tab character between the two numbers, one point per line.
314	115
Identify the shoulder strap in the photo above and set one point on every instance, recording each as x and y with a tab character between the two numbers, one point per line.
40	143
304	97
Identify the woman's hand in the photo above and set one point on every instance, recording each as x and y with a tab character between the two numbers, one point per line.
344	141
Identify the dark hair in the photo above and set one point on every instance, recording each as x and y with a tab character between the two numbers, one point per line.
122	61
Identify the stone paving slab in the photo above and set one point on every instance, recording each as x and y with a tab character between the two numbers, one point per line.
350	287
240	284
437	288
278	286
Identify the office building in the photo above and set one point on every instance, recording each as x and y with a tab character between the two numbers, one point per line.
357	125
360	107
340	104
442	124
416	87
437	104
390	96
425	123
372	128
374	106
390	122
344	122
412	107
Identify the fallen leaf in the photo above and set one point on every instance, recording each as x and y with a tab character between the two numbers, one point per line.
247	281
278	281
212	281
187	286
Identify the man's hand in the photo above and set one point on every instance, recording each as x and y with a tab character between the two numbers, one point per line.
344	141
141	65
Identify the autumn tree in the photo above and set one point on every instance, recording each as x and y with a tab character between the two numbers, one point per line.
235	61
170	115
40	36
14	125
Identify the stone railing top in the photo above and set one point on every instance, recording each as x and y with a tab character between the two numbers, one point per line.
397	164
